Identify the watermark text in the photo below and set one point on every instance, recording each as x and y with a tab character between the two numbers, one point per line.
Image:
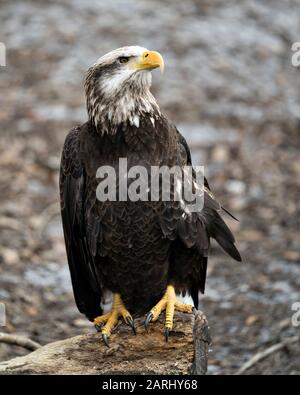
182	184
2	54
2	314
296	316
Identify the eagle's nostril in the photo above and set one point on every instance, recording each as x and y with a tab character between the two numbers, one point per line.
146	55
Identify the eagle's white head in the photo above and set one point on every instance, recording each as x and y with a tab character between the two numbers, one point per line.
117	88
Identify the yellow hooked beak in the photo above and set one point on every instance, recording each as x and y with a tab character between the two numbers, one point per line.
150	60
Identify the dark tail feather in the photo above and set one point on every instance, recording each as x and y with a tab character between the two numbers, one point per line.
229	247
195	295
222	234
202	274
199	283
229	213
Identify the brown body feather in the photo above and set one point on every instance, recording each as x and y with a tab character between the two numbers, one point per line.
133	248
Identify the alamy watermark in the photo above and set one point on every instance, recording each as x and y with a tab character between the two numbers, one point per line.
2	314
296	55
296	316
152	183
2	54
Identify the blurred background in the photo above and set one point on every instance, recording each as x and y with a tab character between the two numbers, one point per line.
230	87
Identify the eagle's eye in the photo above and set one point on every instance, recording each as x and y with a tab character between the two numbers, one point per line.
123	59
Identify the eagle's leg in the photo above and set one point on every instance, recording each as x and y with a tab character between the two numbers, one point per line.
110	319
170	304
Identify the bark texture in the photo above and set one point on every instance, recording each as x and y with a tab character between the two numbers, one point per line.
146	353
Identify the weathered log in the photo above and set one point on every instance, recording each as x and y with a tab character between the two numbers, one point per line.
146	353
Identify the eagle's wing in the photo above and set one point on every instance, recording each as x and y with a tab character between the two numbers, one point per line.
85	283
191	234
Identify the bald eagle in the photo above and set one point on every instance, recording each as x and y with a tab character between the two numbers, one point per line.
143	252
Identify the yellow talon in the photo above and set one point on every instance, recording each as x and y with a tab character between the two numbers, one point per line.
101	319
184	308
170	304
111	319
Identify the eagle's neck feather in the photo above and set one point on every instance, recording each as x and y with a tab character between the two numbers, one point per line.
125	107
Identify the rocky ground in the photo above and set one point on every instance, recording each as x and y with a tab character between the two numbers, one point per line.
230	87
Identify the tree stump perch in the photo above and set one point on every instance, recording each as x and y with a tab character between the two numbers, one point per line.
186	352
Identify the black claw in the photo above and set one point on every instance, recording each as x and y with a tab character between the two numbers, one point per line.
148	319
105	339
167	334
98	328
130	322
